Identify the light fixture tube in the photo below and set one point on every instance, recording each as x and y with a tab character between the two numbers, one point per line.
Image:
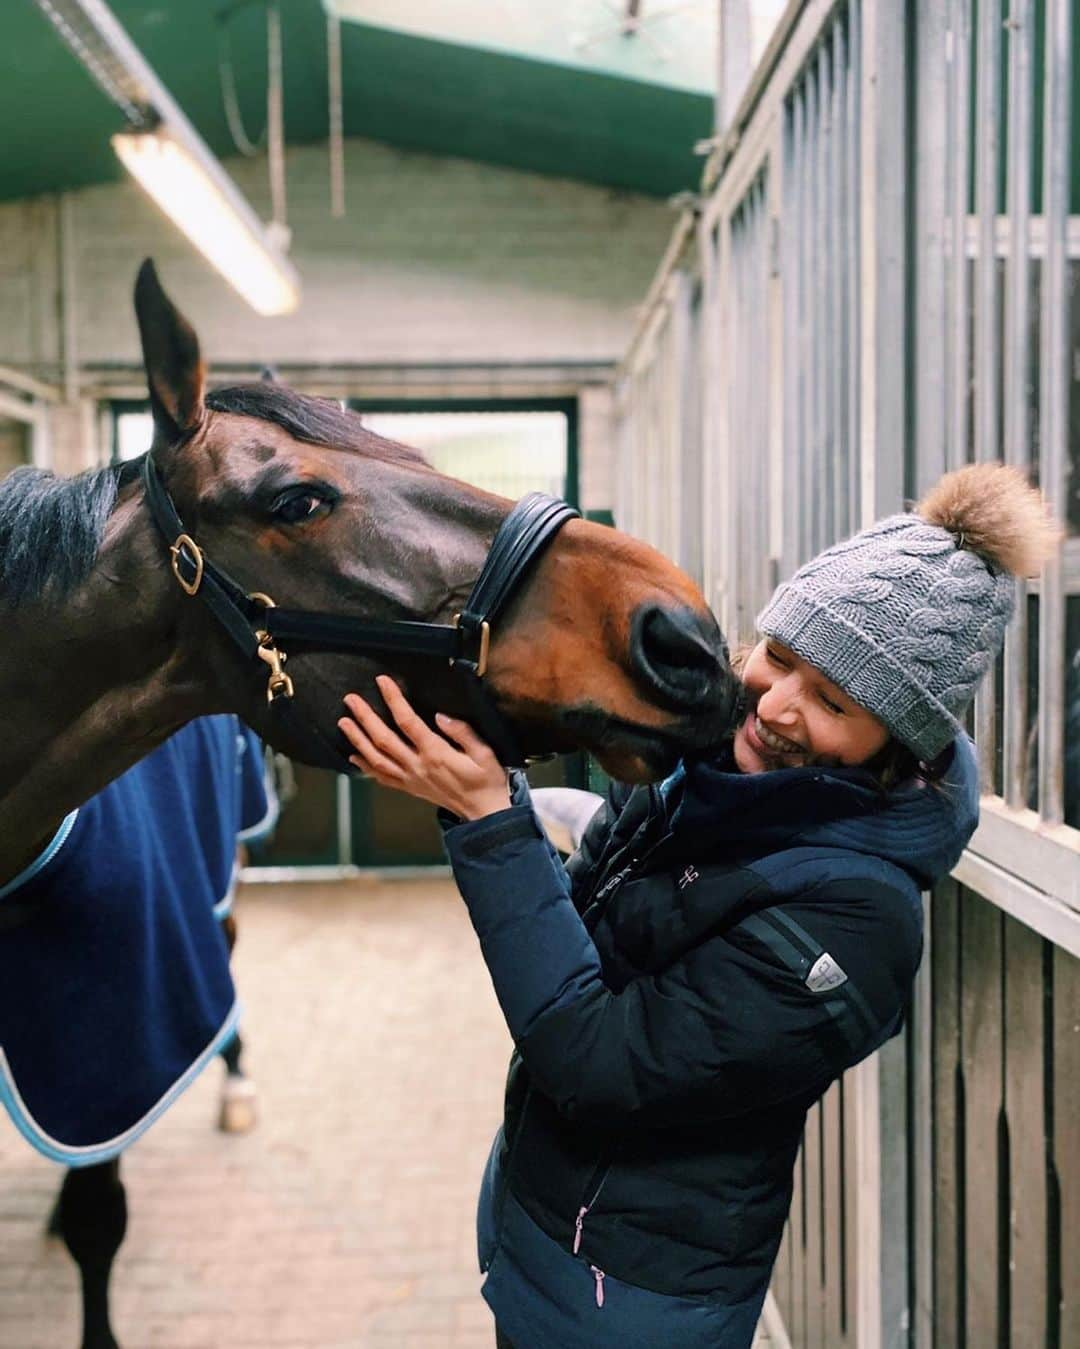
218	221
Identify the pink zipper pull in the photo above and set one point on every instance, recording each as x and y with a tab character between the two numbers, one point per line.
578	1224
598	1275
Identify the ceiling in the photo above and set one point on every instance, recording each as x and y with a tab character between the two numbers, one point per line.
600	115
674	47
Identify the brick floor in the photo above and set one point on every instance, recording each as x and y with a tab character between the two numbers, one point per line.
345	1221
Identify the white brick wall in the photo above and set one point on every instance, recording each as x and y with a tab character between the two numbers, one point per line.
437	260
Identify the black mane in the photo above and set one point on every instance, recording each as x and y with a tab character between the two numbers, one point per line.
51	529
316	421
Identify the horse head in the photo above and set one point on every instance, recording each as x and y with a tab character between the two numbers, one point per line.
604	646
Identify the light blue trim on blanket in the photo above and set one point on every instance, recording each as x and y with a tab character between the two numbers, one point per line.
43	858
254	832
224	906
92	1154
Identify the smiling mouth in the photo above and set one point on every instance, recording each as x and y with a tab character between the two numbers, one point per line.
778	744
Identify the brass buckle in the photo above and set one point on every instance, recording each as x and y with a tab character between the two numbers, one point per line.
186	541
278	685
485	643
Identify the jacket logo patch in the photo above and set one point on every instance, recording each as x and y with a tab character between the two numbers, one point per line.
688	877
825	974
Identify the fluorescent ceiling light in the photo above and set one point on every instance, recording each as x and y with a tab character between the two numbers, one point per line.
174	164
218	222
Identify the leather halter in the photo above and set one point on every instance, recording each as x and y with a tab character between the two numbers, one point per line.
256	625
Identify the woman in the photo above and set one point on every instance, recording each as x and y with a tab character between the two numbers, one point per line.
723	947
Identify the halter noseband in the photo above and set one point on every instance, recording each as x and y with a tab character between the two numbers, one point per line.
256	625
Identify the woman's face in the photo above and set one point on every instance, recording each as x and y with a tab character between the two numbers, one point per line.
799	717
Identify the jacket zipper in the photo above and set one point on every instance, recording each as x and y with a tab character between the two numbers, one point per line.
596	1183
594	910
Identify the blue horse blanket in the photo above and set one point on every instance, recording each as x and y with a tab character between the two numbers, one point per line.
115	989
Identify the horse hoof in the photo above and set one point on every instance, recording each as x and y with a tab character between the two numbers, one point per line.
237	1114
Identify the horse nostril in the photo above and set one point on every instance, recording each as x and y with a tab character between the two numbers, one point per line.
681	653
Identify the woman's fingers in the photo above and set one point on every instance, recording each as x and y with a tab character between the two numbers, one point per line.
463	735
407	719
368	758
383	737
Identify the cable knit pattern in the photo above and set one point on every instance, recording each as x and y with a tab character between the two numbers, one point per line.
903	619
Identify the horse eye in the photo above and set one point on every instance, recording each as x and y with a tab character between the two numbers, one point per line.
296	507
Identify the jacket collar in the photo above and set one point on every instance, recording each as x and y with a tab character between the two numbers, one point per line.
923	828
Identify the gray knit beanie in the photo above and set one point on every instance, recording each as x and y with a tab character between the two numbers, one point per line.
907	616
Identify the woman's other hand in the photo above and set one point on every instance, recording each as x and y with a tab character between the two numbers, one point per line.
459	773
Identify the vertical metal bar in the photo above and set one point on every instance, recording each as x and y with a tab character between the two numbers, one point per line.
922	1089
730	334
797	463
958	141
680	396
335	114
987	139
883	373
826	291
813	298
840	274
853	252
1053	408
789	282
739	447
837	301
762	364
882	1159
715	509
793	253
733	45
275	115
987	144
775	196
1017	360
740	443
344	821
752	557
765	411
69	298
931	169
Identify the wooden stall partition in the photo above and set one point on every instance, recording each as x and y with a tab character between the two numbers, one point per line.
982	1051
1025	1235
813	1336
948	1120
796	1327
1063	1264
781	1280
832	1197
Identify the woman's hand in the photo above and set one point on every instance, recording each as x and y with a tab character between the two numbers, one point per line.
467	780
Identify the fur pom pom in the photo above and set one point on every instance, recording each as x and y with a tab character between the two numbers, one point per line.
998	514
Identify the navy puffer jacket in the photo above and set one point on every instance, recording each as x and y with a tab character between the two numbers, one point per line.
712	958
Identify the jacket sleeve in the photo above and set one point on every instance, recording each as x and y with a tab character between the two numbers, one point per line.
748	1017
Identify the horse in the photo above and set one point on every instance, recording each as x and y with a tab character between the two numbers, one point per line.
263	526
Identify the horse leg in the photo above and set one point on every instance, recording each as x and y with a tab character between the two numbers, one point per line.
91	1216
237	1112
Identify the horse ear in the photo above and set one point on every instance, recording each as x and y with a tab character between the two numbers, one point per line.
174	367
268	375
